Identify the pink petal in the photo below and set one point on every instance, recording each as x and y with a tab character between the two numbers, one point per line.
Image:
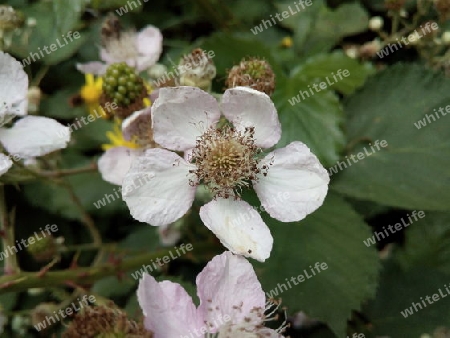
296	183
169	311
246	107
229	290
181	114
239	227
156	188
115	163
149	44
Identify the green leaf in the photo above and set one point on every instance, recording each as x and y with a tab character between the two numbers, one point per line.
302	22
331	66
333	235
412	171
8	300
427	243
94	194
315	121
112	286
67	14
46	43
318	28
331	25
145	237
398	290
57	105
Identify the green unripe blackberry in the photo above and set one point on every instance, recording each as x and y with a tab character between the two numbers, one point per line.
42	248
123	88
121	84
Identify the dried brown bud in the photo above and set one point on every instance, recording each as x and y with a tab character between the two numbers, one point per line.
196	69
111	28
9	18
394	5
443	8
104	321
253	73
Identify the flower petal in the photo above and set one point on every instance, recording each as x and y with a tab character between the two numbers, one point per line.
114	164
34	136
149	45
181	114
156	188
229	290
239	227
139	125
246	107
5	163
95	67
169	234
169	311
296	183
13	87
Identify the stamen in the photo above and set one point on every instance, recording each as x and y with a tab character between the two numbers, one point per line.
226	161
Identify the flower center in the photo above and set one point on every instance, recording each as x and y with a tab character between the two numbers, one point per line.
226	160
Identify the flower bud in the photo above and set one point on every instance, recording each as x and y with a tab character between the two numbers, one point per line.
369	49
287	42
40	312
9	18
443	8
376	23
196	69
156	71
352	51
34	99
446	37
394	5
111	28
104	321
253	73
42	249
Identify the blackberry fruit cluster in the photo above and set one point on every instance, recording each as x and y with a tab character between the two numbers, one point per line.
122	85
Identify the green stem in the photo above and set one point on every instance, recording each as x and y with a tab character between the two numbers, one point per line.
11	266
68	172
88	275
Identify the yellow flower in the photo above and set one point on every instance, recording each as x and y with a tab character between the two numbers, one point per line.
116	138
91	93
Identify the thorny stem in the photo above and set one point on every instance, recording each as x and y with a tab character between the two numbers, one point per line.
87	275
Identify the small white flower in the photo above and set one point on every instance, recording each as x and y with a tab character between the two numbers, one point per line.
290	182
31	136
140	50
